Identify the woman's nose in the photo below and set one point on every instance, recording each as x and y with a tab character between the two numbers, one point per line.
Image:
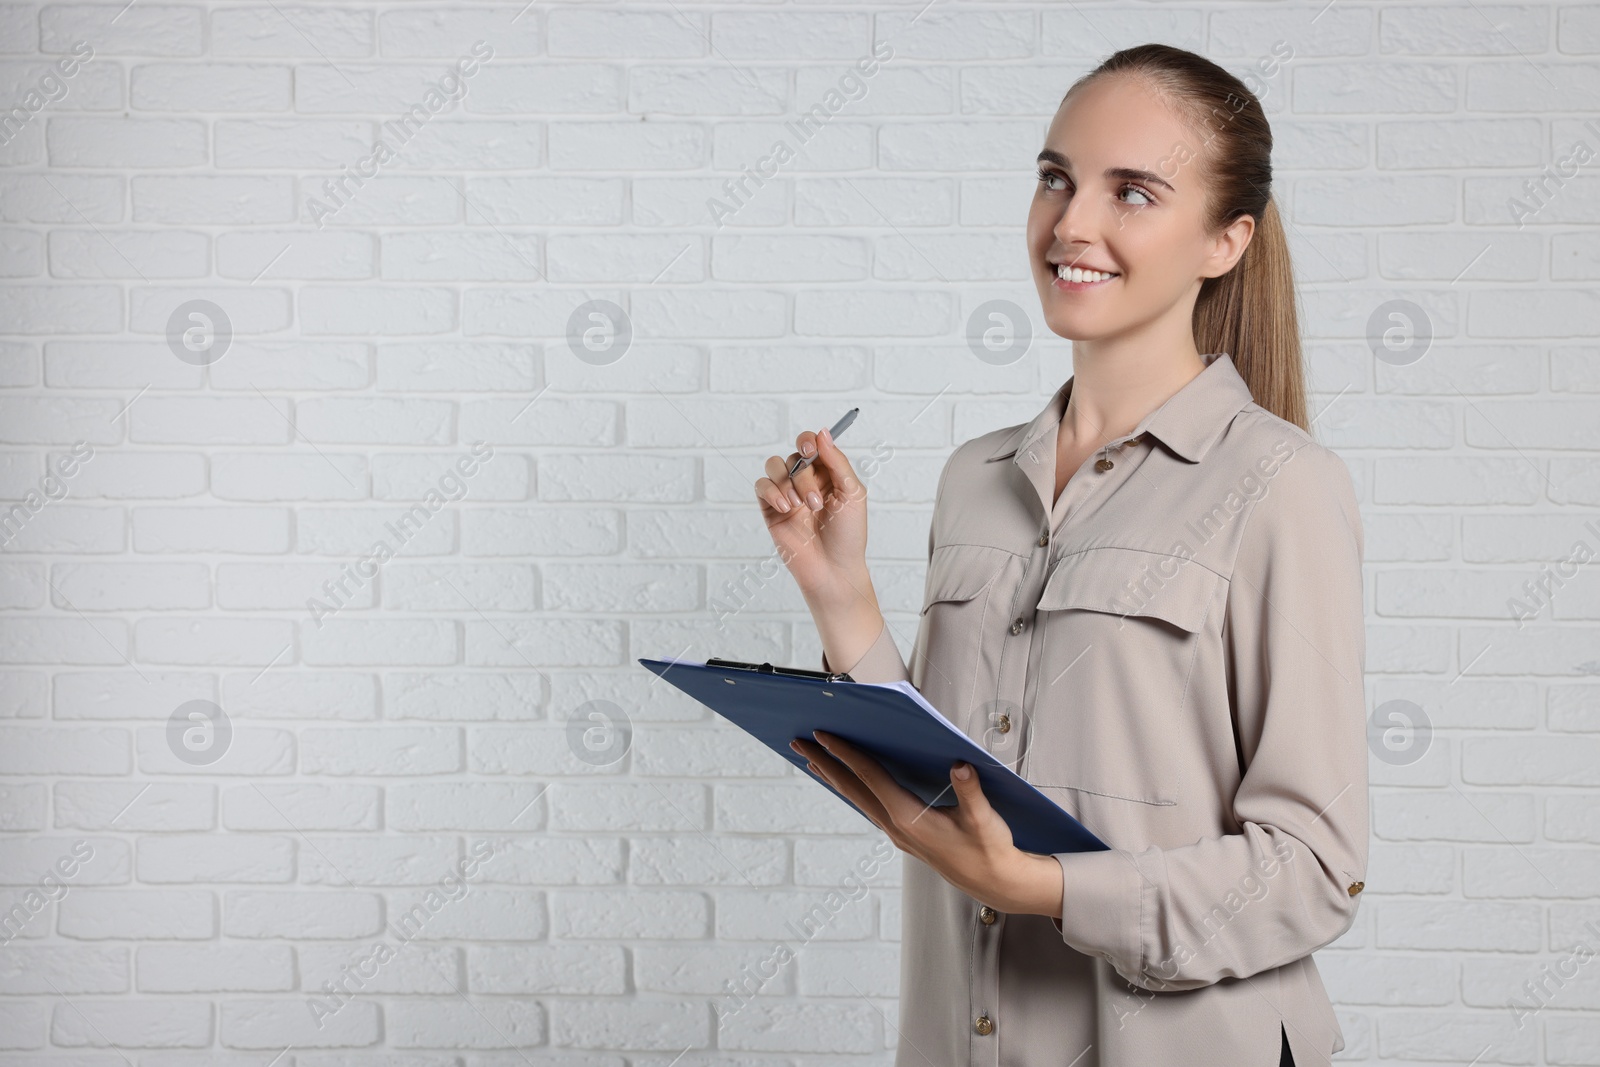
1076	228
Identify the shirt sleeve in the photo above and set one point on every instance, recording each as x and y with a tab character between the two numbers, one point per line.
881	662
1295	647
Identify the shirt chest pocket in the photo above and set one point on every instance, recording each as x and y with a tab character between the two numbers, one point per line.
968	591
1119	631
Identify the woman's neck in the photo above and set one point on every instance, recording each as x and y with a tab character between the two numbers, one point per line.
1109	396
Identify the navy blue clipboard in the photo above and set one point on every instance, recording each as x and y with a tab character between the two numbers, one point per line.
895	724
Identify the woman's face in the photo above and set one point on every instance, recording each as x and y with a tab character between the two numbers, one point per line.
1122	193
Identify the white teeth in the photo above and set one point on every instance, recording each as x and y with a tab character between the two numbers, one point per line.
1074	274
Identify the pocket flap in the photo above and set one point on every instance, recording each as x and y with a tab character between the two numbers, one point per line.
961	572
1128	581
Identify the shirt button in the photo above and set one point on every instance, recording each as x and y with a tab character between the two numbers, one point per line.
1044	539
1016	627
987	915
1103	464
984	1025
1356	887
1005	724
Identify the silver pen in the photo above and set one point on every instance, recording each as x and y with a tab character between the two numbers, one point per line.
834	431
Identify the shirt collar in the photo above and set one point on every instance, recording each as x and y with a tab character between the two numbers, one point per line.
1189	422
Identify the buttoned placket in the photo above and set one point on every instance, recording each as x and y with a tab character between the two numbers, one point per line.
1099	474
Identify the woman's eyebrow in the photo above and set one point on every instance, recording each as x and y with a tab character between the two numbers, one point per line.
1050	155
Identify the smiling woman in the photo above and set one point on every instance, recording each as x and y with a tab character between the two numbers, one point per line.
1168	641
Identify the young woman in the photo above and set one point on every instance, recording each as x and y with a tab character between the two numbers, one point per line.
1148	601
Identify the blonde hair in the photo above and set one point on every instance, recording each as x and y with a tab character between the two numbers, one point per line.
1248	312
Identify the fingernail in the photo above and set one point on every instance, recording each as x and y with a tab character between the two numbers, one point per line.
783	505
808	449
827	435
796	498
816	501
795	745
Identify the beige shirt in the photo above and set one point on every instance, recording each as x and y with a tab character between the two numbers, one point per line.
1173	653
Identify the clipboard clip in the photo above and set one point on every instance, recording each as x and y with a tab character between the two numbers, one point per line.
793	672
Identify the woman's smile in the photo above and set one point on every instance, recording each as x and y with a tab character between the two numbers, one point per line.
1072	280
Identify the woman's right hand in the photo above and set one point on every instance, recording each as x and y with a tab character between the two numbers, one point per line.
818	521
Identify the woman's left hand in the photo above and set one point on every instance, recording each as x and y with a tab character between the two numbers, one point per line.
969	844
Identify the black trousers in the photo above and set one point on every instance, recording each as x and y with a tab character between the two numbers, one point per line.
1284	1059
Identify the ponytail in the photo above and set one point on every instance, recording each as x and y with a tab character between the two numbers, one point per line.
1250	314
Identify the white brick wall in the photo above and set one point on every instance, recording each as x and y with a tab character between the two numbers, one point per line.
397	765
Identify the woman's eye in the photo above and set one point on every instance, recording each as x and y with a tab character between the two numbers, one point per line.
1046	177
1148	199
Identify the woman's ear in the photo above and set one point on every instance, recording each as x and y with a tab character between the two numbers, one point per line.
1228	246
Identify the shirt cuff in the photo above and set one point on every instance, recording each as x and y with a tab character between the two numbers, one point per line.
1101	912
881	662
